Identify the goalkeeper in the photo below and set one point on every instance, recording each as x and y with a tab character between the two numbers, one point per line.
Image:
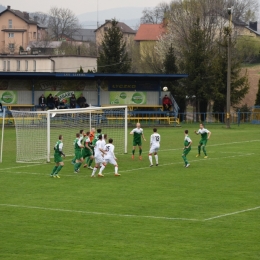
92	145
57	158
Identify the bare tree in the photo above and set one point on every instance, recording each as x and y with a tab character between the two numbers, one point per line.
40	17
62	22
155	15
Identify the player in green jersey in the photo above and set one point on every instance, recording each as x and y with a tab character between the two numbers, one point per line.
93	139
138	134
81	136
186	148
87	151
78	153
205	135
57	158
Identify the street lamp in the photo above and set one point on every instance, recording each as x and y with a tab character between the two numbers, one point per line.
229	67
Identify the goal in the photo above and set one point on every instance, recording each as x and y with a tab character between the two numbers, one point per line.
38	131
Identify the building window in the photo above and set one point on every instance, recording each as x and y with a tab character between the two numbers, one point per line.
26	65
11	35
11	46
4	65
18	65
34	65
8	65
10	24
34	35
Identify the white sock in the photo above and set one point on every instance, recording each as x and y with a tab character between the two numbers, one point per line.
94	171
151	159
116	169
156	158
101	169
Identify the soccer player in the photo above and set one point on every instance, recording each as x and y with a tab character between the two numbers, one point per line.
57	158
93	139
137	139
81	137
154	147
87	151
187	148
205	135
99	159
78	153
110	156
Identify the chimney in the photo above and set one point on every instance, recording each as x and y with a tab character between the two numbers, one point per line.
253	26
8	7
26	15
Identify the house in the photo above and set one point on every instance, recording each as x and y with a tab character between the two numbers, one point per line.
252	30
46	63
148	34
80	36
18	29
128	33
44	47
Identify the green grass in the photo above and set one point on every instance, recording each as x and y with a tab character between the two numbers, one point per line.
165	212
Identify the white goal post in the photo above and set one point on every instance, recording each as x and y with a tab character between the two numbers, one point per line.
38	131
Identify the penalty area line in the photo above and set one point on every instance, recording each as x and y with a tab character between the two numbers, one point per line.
97	213
232	213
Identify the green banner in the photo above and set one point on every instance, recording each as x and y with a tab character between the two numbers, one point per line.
8	97
127	98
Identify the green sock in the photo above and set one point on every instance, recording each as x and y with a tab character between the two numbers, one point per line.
76	166
59	168
74	160
90	162
140	151
133	152
79	164
54	169
185	159
199	148
87	160
204	150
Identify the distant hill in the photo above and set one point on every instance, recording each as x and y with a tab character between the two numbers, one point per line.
2	8
129	15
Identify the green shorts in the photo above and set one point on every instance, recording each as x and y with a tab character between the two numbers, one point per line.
57	158
86	153
78	154
135	143
186	151
203	142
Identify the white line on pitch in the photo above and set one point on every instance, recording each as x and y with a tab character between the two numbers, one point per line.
143	168
232	213
97	213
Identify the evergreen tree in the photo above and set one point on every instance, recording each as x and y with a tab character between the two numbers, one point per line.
257	101
80	70
113	56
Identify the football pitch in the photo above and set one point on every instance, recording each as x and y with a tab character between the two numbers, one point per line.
210	210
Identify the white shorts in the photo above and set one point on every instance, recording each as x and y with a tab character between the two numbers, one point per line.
111	161
99	159
154	149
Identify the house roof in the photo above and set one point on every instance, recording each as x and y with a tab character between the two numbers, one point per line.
85	35
23	15
251	30
122	26
149	32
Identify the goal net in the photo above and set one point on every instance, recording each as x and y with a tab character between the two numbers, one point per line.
37	132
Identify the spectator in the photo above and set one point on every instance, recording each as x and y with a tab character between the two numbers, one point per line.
167	103
82	102
42	102
56	102
50	102
73	101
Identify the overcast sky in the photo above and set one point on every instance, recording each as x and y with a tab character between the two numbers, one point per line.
77	6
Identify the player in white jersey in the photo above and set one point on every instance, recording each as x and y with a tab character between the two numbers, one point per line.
110	155
154	147
99	156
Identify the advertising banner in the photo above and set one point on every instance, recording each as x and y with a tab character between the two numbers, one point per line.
127	98
64	96
8	97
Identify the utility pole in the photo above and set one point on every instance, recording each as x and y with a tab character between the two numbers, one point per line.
229	68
